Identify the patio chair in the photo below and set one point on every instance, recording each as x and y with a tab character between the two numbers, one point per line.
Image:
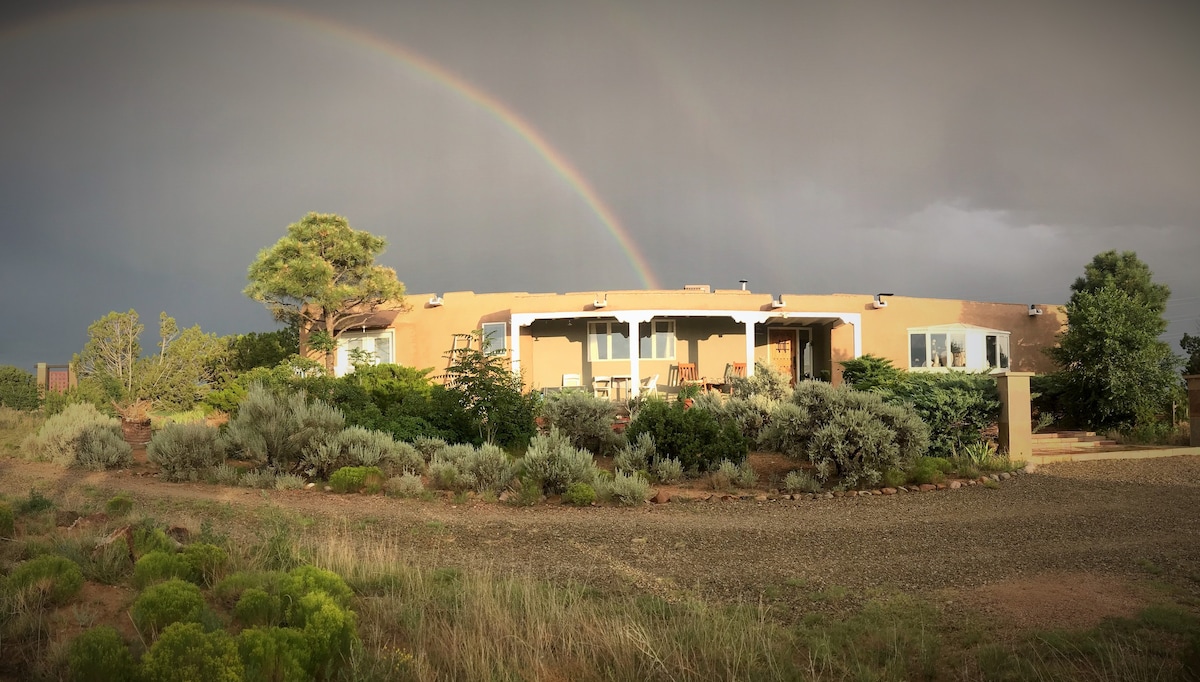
602	386
732	370
649	385
572	381
688	375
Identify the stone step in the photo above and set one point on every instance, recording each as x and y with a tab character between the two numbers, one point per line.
1059	435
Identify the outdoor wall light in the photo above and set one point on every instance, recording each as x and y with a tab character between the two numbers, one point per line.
879	302
1034	310
435	301
777	302
600	302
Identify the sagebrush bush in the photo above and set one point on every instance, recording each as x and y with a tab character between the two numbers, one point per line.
667	470
289	482
579	494
445	474
157	566
635	455
427	445
554	463
186	452
258	478
696	437
846	433
747	477
404	485
207	561
279	430
356	446
274	653
725	476
750	414
184	652
629	489
80	435
100	654
55	578
355	479
454	453
258	607
800	482
586	420
767	382
160	605
7	521
224	474
488	468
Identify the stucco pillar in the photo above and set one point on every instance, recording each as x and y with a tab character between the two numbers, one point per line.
1193	390
43	376
514	353
1016	431
749	348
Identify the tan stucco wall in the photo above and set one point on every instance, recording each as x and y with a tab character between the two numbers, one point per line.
550	348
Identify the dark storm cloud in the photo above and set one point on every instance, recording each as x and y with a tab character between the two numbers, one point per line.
940	149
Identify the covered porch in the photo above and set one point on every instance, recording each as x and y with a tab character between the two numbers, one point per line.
563	348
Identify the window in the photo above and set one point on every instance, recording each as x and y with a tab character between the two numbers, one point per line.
372	347
658	342
608	341
957	346
495	338
997	350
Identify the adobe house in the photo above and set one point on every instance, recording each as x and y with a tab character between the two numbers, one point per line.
630	337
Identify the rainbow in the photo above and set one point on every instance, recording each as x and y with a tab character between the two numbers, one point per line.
417	63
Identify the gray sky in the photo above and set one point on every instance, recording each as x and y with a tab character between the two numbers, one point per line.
960	150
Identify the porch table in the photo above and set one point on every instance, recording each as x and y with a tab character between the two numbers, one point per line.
621	384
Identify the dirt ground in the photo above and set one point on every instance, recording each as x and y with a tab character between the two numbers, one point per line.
1067	545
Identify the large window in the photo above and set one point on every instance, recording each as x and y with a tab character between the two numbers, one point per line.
495	338
608	341
658	340
373	348
958	346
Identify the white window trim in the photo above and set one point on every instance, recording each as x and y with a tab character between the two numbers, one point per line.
671	343
342	364
974	345
489	343
606	336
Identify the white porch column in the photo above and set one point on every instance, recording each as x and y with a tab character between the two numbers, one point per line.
750	319
514	329
854	319
635	320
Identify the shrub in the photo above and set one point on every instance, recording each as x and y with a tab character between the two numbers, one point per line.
258	607
695	437
579	494
18	388
555	464
749	414
629	489
207	562
667	470
7	524
725	475
445	474
289	482
979	453
148	538
119	505
273	653
185	452
530	493
186	653
100	654
278	430
157	566
767	382
304	580
404	485
454	453
869	372
956	406
747	477
845	433
56	578
172	601
427	445
354	479
329	630
80	435
584	419
800	482
223	474
488	468
231	588
929	470
893	478
356	446
636	455
258	478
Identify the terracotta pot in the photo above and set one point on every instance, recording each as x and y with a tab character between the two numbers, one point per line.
136	431
688	402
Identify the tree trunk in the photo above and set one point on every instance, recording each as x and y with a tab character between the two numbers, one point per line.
330	355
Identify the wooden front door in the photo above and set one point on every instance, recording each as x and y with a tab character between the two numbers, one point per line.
783	351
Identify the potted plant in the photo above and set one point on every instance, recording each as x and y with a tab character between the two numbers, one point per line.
135	421
959	353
